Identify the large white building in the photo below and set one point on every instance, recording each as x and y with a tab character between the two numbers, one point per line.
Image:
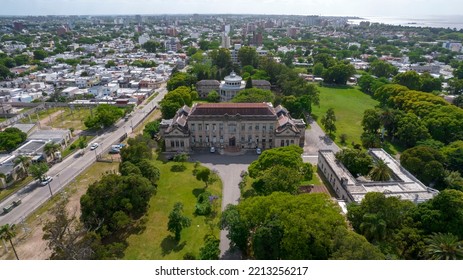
230	86
232	126
350	189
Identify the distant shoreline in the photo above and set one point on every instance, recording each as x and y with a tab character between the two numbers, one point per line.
433	22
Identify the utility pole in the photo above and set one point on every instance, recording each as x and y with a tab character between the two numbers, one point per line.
49	188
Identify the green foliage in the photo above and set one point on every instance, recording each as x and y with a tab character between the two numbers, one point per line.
410	79
248	56
136	151
40	54
253	95
278	178
127	168
175	99
318	69
213	97
338	74
380	68
441	246
329	121
152	128
358	162
148	170
443	213
5	72
380	171
211	249
38	170
203	205
206	176
454	156
425	163
112	204
283	226
150	46
177	221
180	79
11	138
104	116
289	156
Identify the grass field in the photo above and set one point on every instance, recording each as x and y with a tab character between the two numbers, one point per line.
155	242
68	119
349	104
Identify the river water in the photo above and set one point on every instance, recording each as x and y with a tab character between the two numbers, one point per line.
452	22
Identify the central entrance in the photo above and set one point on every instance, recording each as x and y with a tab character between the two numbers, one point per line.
232	141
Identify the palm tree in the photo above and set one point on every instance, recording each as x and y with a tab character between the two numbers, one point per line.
7	232
380	171
444	246
373	228
51	148
25	161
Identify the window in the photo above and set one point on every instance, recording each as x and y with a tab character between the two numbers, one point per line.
282	144
192	127
214	139
207	139
270	128
177	143
172	144
213	127
221	139
182	143
200	138
249	139
200	127
257	127
221	126
292	142
207	127
287	142
250	127
243	127
242	139
192	139
264	127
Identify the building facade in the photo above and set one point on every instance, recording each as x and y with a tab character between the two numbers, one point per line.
232	125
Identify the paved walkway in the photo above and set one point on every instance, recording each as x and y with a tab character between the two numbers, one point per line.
229	168
316	139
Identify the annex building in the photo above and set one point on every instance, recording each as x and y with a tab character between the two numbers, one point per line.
231	126
350	189
229	87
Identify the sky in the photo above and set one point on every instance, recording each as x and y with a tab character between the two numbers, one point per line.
384	8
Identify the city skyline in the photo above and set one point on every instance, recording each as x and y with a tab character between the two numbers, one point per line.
365	8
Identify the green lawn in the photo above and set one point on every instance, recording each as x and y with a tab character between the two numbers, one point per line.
155	242
349	104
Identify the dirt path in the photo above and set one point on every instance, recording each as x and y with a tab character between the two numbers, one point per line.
44	123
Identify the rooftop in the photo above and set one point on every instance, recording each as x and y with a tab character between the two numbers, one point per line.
245	109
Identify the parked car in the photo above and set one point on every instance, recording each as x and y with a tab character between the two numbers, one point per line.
46	180
94	146
212	150
258	151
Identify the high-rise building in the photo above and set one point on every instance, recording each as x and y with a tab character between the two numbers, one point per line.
225	41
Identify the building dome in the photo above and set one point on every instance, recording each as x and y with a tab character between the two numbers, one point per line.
233	78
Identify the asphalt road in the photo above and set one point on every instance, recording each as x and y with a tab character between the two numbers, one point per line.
229	168
34	195
316	139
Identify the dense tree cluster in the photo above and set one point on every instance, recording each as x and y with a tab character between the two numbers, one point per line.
175	99
104	116
254	95
11	138
283	226
114	204
404	230
279	169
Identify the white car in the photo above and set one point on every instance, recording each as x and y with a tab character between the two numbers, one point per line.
94	146
46	180
212	150
258	151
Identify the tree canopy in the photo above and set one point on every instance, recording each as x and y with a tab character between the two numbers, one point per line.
283	226
104	115
254	95
11	138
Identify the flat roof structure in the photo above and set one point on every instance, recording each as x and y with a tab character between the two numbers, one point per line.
402	184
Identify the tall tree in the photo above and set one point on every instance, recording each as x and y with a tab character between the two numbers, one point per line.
329	121
7	232
444	246
177	221
38	170
410	79
380	171
248	56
